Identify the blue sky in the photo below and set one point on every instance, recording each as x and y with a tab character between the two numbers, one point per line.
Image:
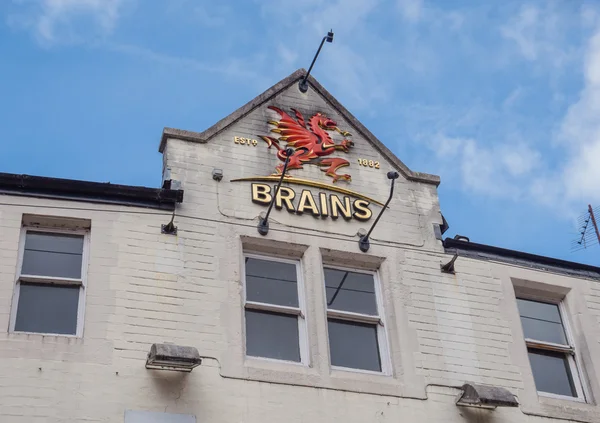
499	98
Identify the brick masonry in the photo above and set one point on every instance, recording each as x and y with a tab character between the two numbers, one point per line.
145	287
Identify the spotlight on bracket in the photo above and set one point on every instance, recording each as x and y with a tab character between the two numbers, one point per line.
263	222
303	85
364	243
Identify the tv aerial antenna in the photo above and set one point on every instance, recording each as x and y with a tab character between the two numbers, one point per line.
587	225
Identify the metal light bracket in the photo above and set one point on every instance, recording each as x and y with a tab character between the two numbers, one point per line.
363	242
303	85
263	222
169	228
449	267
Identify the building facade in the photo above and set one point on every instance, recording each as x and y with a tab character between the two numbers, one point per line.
297	324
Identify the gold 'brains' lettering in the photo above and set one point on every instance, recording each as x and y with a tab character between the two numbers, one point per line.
338	207
285	196
362	210
307	202
323	205
261	194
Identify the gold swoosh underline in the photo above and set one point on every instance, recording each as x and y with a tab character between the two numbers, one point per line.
309	183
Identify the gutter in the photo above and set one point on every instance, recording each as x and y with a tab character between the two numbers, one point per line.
98	192
483	251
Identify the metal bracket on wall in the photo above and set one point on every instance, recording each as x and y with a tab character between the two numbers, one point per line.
363	242
449	267
263	222
303	84
169	228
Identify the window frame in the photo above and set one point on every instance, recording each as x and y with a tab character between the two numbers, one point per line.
52	280
379	321
569	350
299	312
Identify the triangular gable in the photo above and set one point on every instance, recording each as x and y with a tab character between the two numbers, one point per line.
205	136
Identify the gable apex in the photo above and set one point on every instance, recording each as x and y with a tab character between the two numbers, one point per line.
205	136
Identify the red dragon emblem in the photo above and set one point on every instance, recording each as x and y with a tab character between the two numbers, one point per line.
311	142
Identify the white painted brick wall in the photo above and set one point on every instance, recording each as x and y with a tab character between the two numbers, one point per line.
145	287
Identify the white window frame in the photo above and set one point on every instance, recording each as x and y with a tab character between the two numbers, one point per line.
82	282
378	321
568	350
299	311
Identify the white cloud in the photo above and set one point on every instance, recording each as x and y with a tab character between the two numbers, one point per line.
411	10
495	170
518	160
562	170
589	15
512	98
455	19
211	15
231	68
538	34
68	21
518	171
415	11
287	55
523	30
580	133
357	82
341	65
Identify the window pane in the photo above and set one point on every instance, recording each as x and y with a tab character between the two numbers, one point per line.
551	372
272	335
350	291
541	321
52	255
539	310
354	345
47	308
543	331
271	282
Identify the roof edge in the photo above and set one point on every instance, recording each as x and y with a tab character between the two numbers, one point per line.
94	192
450	243
409	174
203	137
